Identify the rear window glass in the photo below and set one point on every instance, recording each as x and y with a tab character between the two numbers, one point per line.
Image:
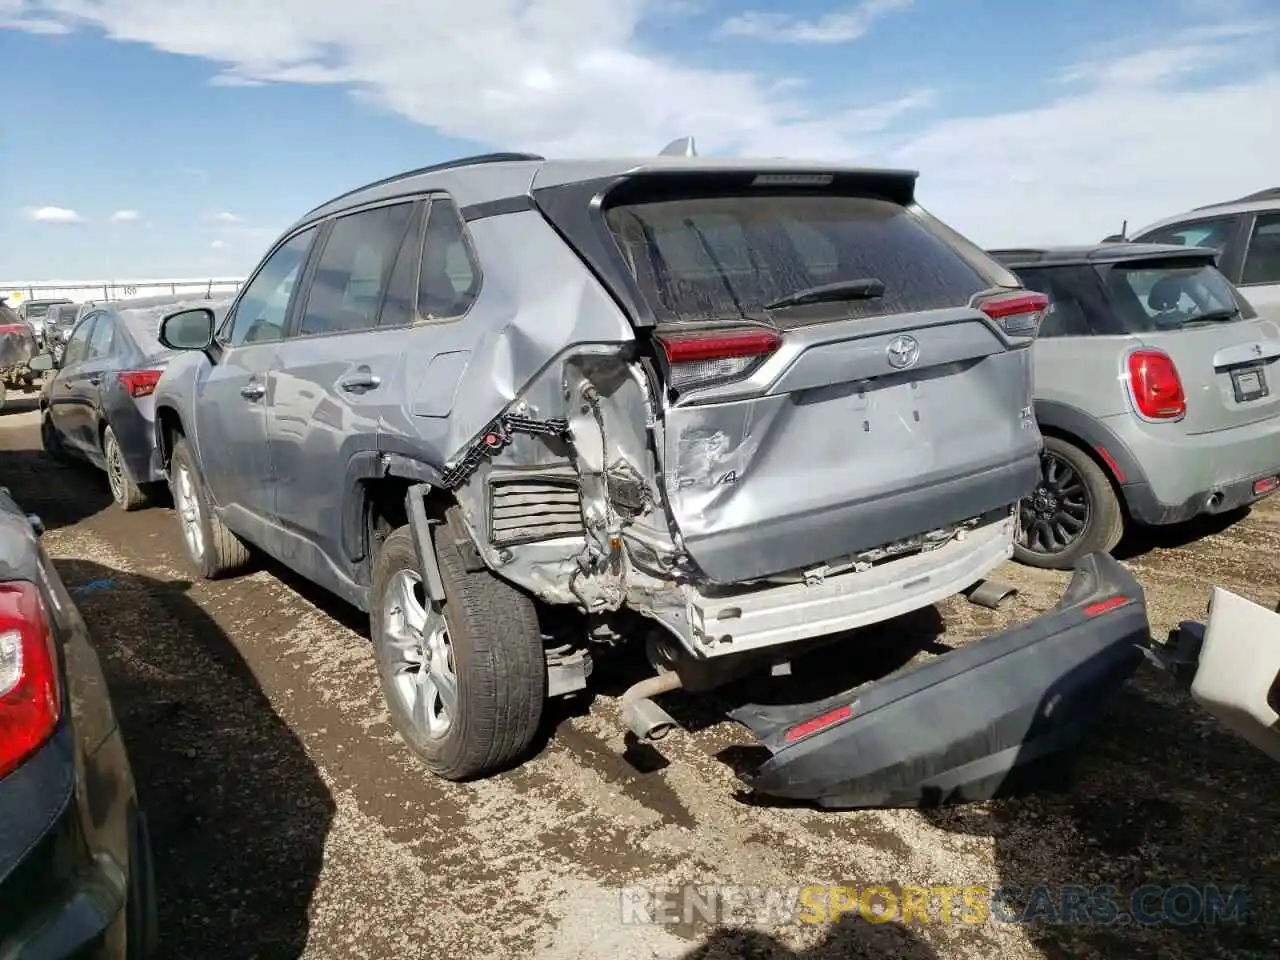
143	322
36	310
722	257
1148	296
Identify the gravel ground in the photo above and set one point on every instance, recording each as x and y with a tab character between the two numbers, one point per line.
289	821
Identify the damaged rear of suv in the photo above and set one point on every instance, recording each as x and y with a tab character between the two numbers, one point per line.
752	404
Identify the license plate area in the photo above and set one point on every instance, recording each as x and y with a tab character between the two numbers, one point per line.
1249	383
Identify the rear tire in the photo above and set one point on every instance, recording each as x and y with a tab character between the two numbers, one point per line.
124	490
1073	512
50	441
213	549
484	639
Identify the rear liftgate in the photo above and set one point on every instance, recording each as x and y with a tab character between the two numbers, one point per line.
961	727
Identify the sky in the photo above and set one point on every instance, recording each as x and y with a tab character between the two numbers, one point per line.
166	138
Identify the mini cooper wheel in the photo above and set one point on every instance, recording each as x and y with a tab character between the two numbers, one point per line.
213	549
465	681
1073	512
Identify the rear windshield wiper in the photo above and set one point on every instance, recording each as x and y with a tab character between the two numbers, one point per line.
865	288
1212	316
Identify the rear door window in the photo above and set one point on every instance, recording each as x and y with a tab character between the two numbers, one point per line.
723	257
78	345
102	341
1214	234
1262	259
354	268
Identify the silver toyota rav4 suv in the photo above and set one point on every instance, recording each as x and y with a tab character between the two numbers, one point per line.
749	403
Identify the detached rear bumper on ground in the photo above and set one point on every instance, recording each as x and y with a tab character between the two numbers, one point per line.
961	727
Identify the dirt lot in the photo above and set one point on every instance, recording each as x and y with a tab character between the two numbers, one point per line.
290	822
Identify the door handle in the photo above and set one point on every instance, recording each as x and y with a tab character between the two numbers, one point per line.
253	391
359	382
94	378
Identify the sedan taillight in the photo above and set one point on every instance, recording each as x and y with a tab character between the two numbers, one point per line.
140	383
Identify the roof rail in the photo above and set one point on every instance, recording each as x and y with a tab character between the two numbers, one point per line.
433	168
1271	193
684	147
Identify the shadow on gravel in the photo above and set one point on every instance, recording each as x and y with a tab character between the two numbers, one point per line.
1140	540
237	811
847	938
61	495
1161	796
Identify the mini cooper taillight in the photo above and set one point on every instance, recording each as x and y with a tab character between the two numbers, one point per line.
1155	385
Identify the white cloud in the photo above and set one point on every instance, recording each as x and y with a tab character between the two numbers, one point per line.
1137	128
841	26
125	216
1135	142
53	215
556	76
46	27
218	245
225	217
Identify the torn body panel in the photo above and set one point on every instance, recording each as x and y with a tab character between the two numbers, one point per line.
827	449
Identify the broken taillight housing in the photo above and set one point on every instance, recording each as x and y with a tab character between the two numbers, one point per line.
704	358
140	383
30	696
1018	313
1155	385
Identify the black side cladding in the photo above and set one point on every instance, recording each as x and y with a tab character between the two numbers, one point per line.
972	723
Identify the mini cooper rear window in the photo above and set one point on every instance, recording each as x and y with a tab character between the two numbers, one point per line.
725	256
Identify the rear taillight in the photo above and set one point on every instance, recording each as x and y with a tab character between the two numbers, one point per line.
1019	313
140	383
30	700
1155	385
704	358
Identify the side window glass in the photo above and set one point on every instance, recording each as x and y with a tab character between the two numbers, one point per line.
449	279
398	301
260	312
1262	259
1214	234
78	345
353	271
102	338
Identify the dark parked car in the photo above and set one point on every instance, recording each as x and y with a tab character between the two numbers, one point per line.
97	404
32	312
58	324
75	862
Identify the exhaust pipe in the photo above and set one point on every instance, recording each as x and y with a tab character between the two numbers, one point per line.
643	717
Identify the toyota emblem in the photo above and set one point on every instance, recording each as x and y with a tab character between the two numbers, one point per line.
903	352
